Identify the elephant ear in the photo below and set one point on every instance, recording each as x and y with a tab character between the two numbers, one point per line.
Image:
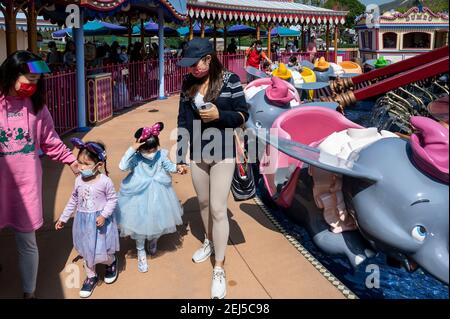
320	159
255	72
348	75
371	62
307	64
312	86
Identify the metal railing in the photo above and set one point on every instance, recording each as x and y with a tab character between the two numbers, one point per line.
136	82
61	100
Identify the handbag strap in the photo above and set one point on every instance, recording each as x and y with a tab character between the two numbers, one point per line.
239	147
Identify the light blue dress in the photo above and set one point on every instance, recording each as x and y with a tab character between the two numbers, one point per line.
148	206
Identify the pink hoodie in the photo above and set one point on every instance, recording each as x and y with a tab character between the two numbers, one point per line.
22	133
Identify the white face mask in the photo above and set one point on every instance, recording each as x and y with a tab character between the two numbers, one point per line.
149	156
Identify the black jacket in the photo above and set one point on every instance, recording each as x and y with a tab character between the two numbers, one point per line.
230	101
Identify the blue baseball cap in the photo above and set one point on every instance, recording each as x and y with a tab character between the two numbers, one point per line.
196	49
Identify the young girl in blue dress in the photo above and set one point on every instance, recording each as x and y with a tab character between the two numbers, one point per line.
93	200
148	205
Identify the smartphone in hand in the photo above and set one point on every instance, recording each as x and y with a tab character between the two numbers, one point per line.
206	106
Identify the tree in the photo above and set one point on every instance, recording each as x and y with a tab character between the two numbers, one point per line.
354	8
402	6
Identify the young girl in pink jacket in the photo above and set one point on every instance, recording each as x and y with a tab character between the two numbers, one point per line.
25	127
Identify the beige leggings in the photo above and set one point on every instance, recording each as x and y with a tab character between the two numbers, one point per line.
212	183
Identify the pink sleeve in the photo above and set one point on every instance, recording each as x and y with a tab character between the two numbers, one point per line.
111	199
50	142
71	205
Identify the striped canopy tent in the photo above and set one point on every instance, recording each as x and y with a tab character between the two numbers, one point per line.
151	29
263	11
267	13
284	32
208	31
242	30
54	11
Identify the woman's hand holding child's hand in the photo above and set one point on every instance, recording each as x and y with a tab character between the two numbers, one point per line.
182	169
74	168
100	220
137	144
59	225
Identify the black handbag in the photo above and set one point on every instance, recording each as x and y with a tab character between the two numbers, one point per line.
243	185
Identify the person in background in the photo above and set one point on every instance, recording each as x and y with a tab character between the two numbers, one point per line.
232	47
293	63
290	47
54	58
123	56
182	48
115	52
136	54
69	58
40	43
275	49
266	68
155	50
311	49
255	55
296	44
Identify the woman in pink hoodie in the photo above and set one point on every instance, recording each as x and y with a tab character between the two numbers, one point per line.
25	127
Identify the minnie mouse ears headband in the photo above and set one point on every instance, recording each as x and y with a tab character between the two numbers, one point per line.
147	132
90	146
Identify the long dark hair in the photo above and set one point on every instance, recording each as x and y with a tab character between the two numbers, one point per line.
14	66
216	70
92	156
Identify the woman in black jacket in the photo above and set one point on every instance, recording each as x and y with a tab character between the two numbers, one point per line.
212	105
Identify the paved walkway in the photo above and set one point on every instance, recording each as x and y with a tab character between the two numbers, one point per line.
260	263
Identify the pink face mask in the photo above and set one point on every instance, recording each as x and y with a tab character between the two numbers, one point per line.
200	70
26	89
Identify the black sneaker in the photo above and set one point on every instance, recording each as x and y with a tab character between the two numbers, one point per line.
111	272
88	287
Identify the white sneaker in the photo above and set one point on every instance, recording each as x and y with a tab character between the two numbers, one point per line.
219	284
203	252
142	261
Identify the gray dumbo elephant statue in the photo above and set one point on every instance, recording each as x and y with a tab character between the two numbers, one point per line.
267	98
397	191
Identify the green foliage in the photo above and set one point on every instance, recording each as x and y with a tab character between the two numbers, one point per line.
354	8
434	5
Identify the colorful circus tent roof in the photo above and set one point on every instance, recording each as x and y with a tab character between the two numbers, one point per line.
263	11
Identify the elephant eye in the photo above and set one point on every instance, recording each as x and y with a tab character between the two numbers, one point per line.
420	201
419	233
